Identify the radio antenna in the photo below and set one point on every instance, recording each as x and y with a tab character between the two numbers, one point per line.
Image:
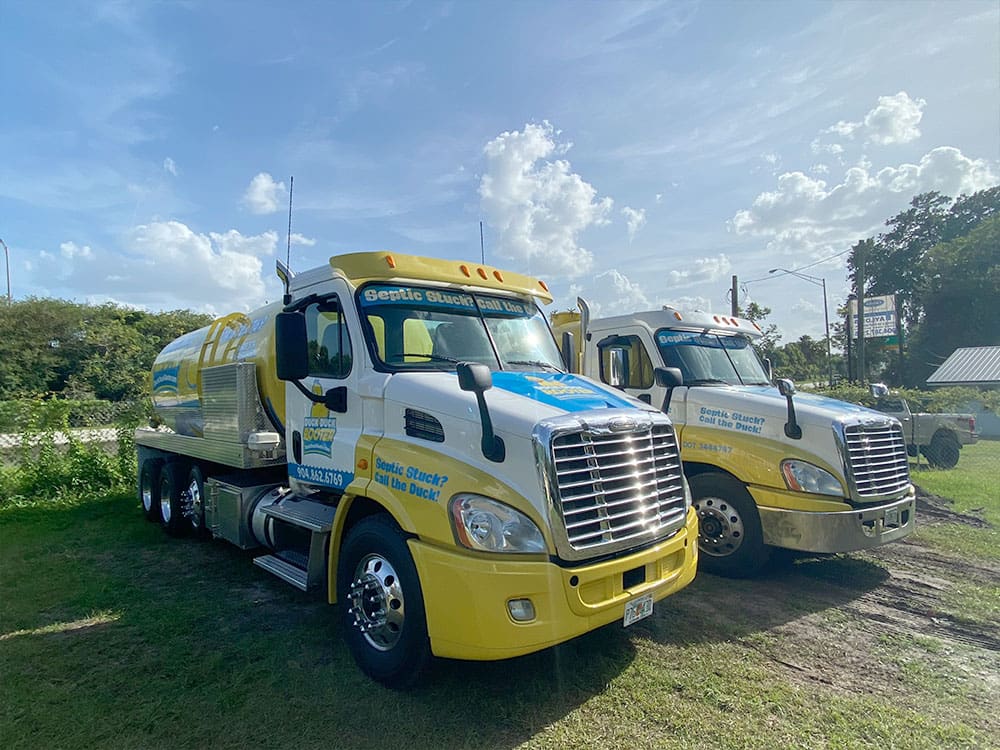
288	249
482	246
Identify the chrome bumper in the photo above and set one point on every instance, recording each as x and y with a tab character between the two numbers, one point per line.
842	531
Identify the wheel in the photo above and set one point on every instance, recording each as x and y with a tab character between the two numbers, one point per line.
172	516
730	538
193	499
943	451
149	488
382	604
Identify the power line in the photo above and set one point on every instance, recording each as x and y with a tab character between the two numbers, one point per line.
801	268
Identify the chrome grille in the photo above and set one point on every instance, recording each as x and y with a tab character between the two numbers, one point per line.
876	454
617	489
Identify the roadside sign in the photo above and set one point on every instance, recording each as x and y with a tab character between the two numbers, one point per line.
880	317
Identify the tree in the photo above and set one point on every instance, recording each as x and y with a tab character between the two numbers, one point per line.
756	314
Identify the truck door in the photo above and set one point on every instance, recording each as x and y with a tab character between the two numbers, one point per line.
623	361
321	441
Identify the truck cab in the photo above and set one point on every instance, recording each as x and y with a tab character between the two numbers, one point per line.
768	467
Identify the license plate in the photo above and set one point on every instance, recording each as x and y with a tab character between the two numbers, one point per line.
891	518
638	608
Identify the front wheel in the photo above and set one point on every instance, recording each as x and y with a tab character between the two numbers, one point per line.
943	451
730	538
379	593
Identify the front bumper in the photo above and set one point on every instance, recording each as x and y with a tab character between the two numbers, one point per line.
840	531
465	595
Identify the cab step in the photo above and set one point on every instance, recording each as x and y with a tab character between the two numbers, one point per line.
306	514
285	570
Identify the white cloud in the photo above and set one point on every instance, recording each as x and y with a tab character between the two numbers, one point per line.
170	166
263	193
71	250
299	239
635	218
166	265
805	217
539	207
895	119
611	293
704	270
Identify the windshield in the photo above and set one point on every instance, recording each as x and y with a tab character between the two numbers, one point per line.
415	327
708	358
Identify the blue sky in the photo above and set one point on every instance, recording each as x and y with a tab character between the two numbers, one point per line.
636	153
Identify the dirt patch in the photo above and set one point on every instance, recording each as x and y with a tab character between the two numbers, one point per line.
936	509
883	622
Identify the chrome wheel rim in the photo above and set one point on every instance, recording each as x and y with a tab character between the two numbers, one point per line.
720	528
376	602
146	491
193	504
165	509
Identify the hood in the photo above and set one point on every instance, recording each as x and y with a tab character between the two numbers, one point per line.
766	401
517	401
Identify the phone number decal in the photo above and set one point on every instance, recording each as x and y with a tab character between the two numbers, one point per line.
316	475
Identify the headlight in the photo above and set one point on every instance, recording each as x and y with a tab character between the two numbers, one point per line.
490	526
804	477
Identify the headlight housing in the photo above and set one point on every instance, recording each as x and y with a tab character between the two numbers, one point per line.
487	525
804	477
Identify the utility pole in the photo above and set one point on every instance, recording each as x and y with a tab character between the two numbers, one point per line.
859	258
734	299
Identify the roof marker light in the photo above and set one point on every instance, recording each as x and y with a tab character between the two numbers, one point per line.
543	285
482	273
498	276
678	316
465	269
391	261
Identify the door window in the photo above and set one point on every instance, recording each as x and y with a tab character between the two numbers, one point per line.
638	366
329	340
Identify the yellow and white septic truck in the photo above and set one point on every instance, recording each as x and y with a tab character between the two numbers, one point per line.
767	468
400	434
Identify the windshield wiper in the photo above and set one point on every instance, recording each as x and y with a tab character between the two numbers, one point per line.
433	357
706	381
533	363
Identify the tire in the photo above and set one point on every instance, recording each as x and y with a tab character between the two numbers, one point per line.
193	498
149	488
943	452
382	604
172	517
730	538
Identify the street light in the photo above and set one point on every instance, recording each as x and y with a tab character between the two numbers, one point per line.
818	281
6	254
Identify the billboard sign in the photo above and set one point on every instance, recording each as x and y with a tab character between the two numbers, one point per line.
880	317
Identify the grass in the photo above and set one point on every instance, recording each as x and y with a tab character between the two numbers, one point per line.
974	486
114	636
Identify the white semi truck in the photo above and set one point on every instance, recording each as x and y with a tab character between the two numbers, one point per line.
767	467
400	435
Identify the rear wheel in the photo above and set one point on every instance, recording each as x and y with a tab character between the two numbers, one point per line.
171	501
149	488
730	538
943	451
382	603
194	501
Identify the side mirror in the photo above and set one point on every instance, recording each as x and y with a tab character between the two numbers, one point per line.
768	368
290	348
668	377
618	365
786	387
569	351
474	376
878	390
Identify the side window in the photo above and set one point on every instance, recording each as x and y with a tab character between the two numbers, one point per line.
329	340
638	371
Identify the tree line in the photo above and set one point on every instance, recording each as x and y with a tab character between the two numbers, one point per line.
51	347
941	258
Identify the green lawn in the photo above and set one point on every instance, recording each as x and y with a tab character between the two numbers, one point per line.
114	636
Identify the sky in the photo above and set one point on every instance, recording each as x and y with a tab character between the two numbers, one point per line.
633	153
